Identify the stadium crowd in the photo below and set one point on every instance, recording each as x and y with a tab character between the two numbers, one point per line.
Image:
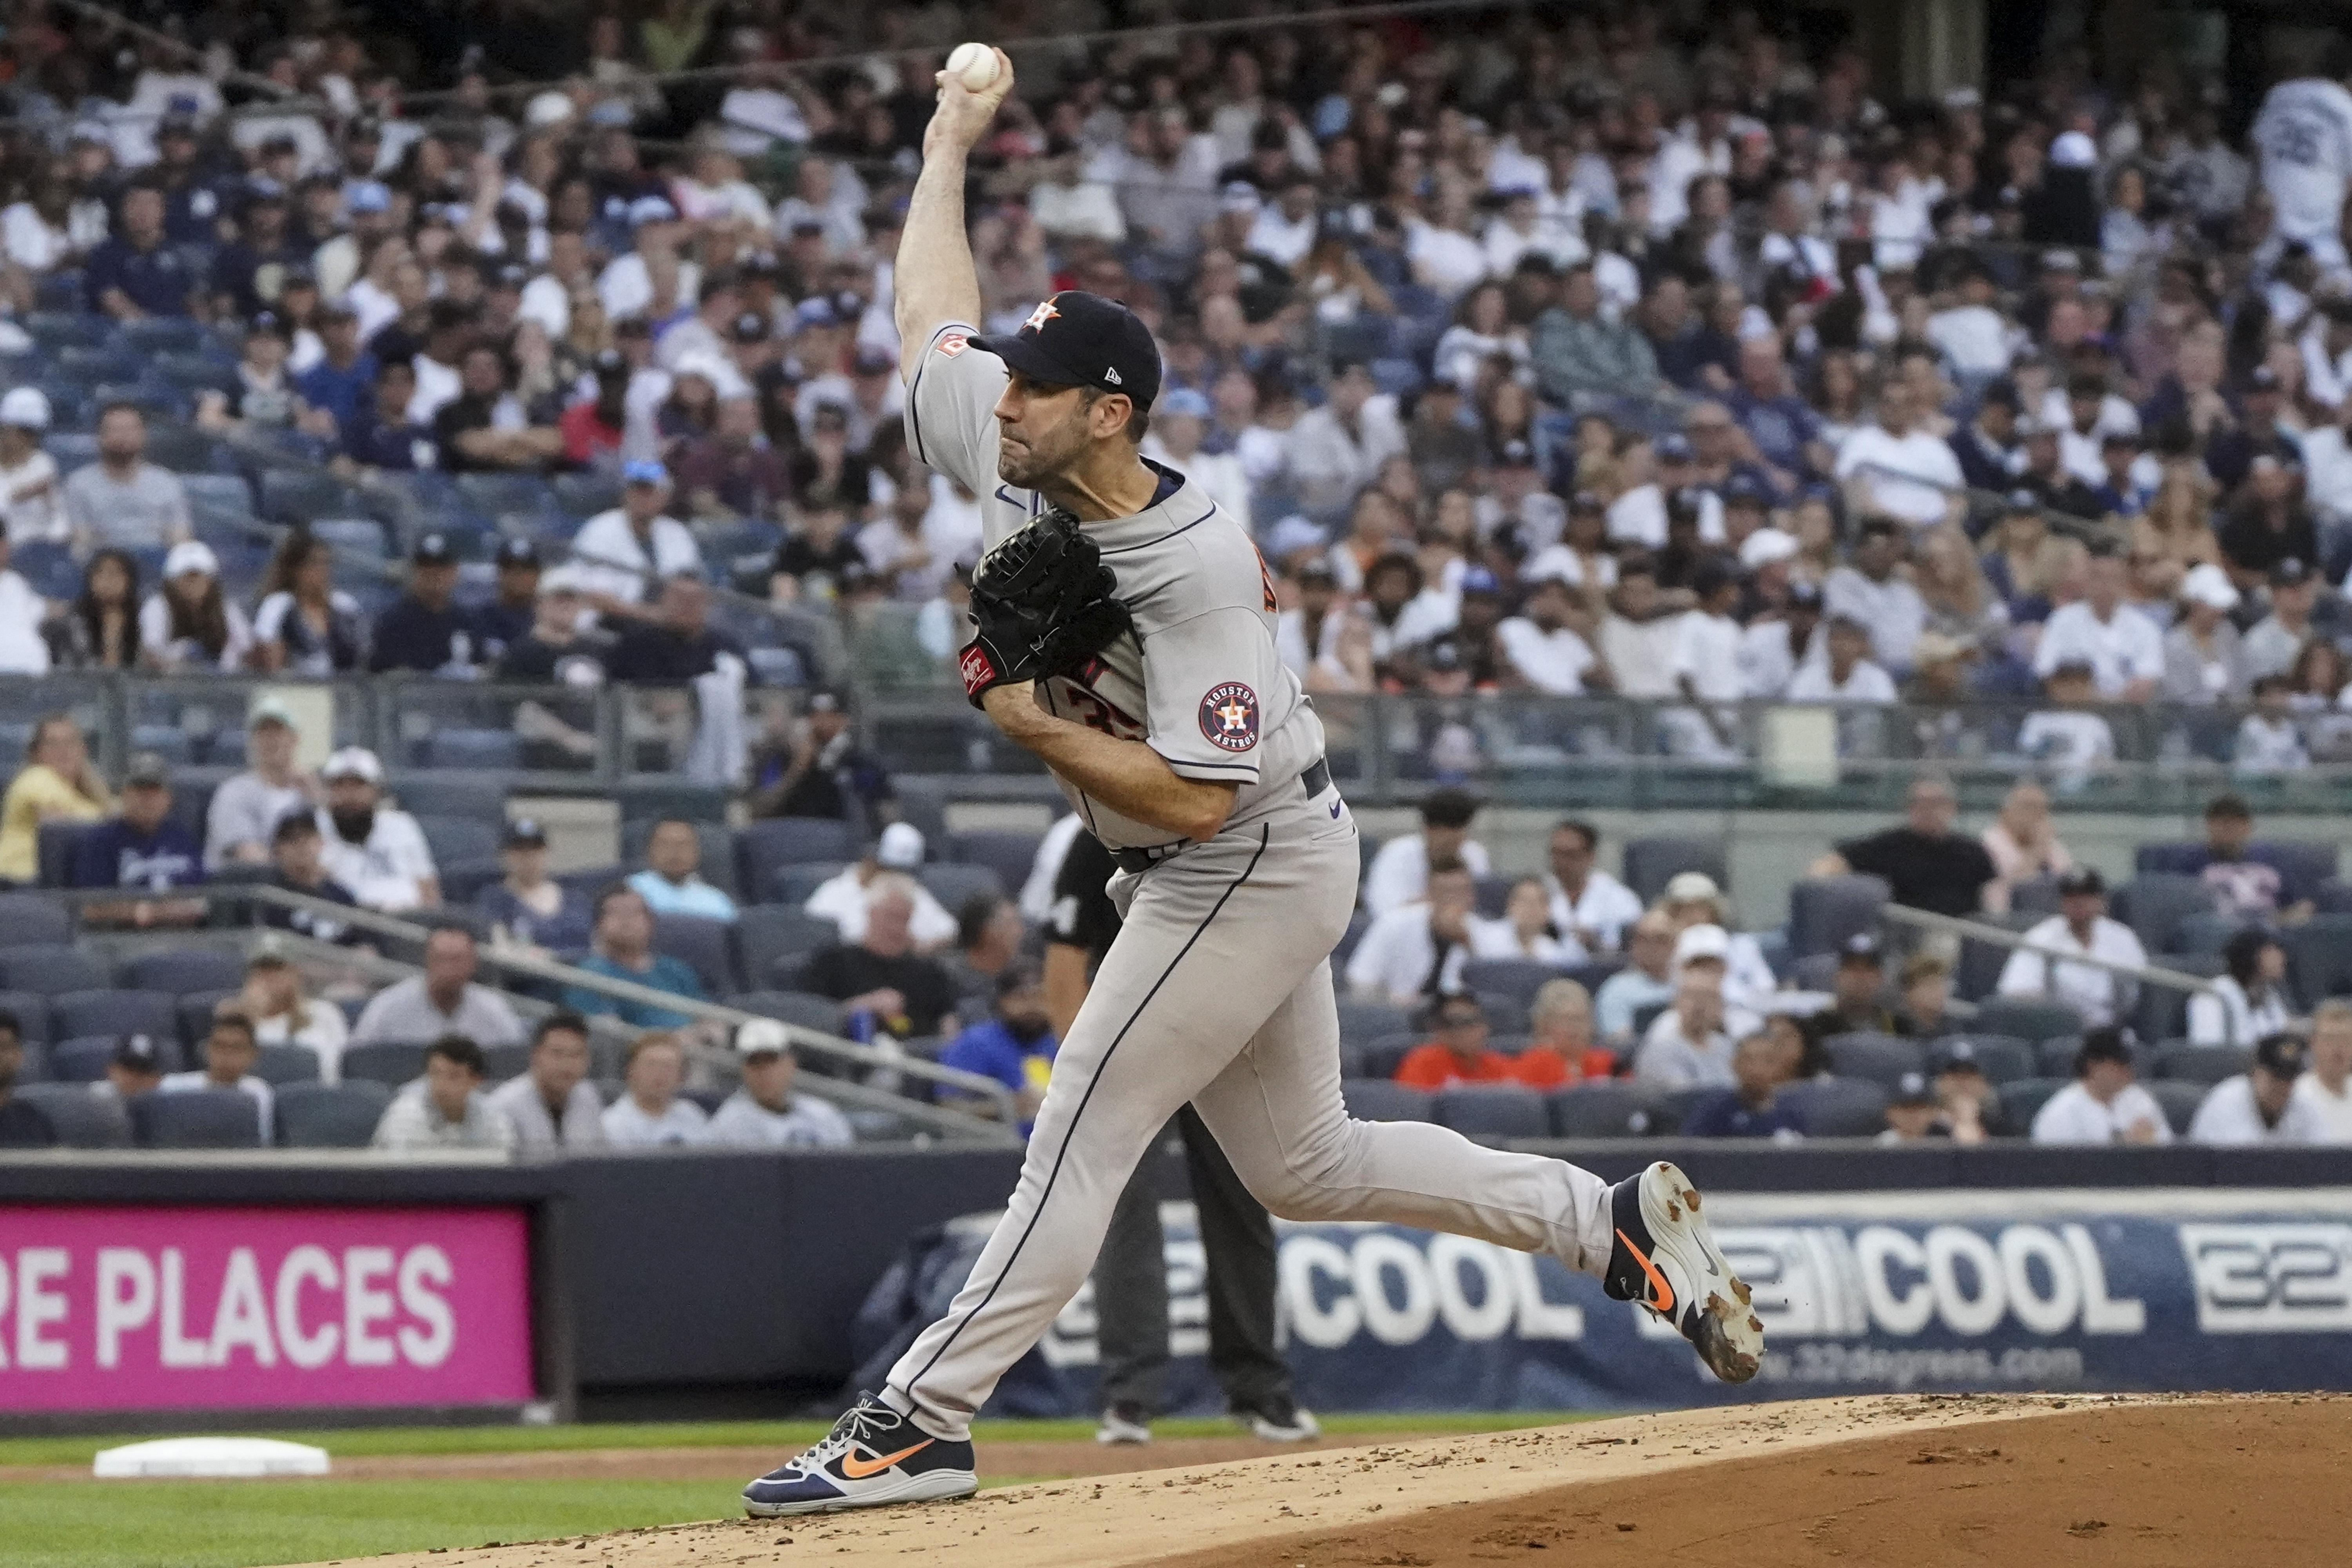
1636	352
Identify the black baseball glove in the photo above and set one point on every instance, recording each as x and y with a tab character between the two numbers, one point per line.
1041	604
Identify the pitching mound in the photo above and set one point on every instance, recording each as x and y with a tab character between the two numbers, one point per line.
2149	1481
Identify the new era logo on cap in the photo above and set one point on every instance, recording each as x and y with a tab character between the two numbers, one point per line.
1077	339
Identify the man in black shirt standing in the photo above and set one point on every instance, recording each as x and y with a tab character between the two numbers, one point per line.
1924	863
823	771
424	630
1130	1272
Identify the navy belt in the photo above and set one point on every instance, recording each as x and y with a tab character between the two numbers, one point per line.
1313	781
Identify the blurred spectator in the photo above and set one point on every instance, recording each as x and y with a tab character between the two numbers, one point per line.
230	1052
765	1113
1873	593
989	934
281	1016
2102	1105
1645	981
1457	1052
2068	737
31	508
2248	1000
651	1113
2022	840
554	651
427	630
2203	664
552	1105
298	862
623	949
821	771
1774	647
2266	528
1562	1048
1015	1046
513	608
1691	898
24	649
443	1000
376	851
1753	1106
445	1109
2269	738
1180	422
1336	450
1857	1004
1913	1115
1969	1104
1688	1045
2270	648
342	382
1925	865
261	395
1416	950
880	975
897	850
1580	354
188	625
671	883
58	782
22	1125
2260	1105
1524	929
134	273
675	643
1897	469
1588	904
621	556
1926	985
2326	1087
484	427
305	625
594	429
527	905
2123	650
734	471
2080	928
2243	881
123	501
382	434
1541	650
143	851
1399	873
247	806
135	1067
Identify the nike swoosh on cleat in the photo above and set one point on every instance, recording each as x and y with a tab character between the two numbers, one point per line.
1665	1304
857	1469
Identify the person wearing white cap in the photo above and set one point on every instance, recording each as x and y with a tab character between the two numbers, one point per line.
1692	899
247	807
765	1113
122	500
841	897
188	624
2201	665
1689	1045
376	851
29	502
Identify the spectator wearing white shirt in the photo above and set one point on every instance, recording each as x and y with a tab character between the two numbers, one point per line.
1525	930
2327	465
1586	903
1690	899
843	898
1872	592
1705	667
1336	450
1844	673
1638	636
231	1051
1545	653
2102	1105
281	1016
2123	649
243	819
621	555
553	1106
22	649
1416	951
2068	738
1284	229
31	507
2260	1105
765	1113
2326	1087
2079	929
1445	257
1399	874
377	853
651	1114
2269	740
1975	339
1773	651
1897	469
2248	1000
445	1109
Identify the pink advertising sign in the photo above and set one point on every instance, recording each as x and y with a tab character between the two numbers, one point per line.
206	1309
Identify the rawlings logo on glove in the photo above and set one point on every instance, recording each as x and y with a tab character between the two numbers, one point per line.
1041	605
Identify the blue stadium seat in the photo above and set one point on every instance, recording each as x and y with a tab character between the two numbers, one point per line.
1378	1100
186	972
1368	1021
2153	905
1650	863
51	969
474	749
954	885
81	1120
196	1118
31	1011
763	846
1608	1108
1492	1110
765	933
1880	1058
2203	1065
287	1064
28	917
2319	957
55	851
393	1062
704	944
362	537
1826	910
2025	1017
224	497
1383	1054
291	496
330	1115
84	1059
2004	1058
1841	1106
115	1012
582	496
1009	854
457	840
2024	1099
804	1009
1519	978
2179	1101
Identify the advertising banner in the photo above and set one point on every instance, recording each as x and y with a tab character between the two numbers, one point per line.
1954	1291
212	1309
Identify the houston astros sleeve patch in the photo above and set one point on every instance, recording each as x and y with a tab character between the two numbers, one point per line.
1229	716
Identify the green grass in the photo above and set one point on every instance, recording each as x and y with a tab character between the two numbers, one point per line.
237	1524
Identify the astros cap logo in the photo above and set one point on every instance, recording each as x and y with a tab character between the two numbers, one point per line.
1043	313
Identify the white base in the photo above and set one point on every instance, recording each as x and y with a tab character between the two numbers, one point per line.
210	1457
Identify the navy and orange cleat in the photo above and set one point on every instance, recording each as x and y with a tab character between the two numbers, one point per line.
873	1455
1665	1259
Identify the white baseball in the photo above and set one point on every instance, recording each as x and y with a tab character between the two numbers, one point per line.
974	64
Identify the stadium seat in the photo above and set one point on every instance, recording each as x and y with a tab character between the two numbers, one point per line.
765	847
583	496
30	918
1841	1106
500	1063
1492	1110
456	840
2334	897
1882	1060
80	1119
1507	1012
1491	897
2202	934
2025	1017
1592	974
186	972
791	886
2155	905
53	854
804	1009
2180	1100
1826	910
1608	1108
474	751
2163	1010
1645	1016
714	842
766	932
1816	972
1009	854
330	1115
1368	1021
1515	977
1979	974
79	1013
196	1118
393	1062
288	496
2184	1063
955	885
196	1014
83	1059
2319	957
2004	1058
878	1126
282	1065
702	944
1648	864
1378	1100
31	1010
1382	1057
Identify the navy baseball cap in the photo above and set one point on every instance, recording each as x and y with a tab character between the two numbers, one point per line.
1077	339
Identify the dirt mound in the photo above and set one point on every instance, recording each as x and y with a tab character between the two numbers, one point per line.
1923	1480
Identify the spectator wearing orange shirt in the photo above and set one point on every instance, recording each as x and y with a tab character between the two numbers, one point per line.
1459	1054
1561	1049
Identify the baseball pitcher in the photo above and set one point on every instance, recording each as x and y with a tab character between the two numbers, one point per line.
1125	634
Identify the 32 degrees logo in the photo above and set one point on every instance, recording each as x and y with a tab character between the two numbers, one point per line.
2271	1278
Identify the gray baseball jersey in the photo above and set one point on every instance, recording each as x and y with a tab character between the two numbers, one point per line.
1199	680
